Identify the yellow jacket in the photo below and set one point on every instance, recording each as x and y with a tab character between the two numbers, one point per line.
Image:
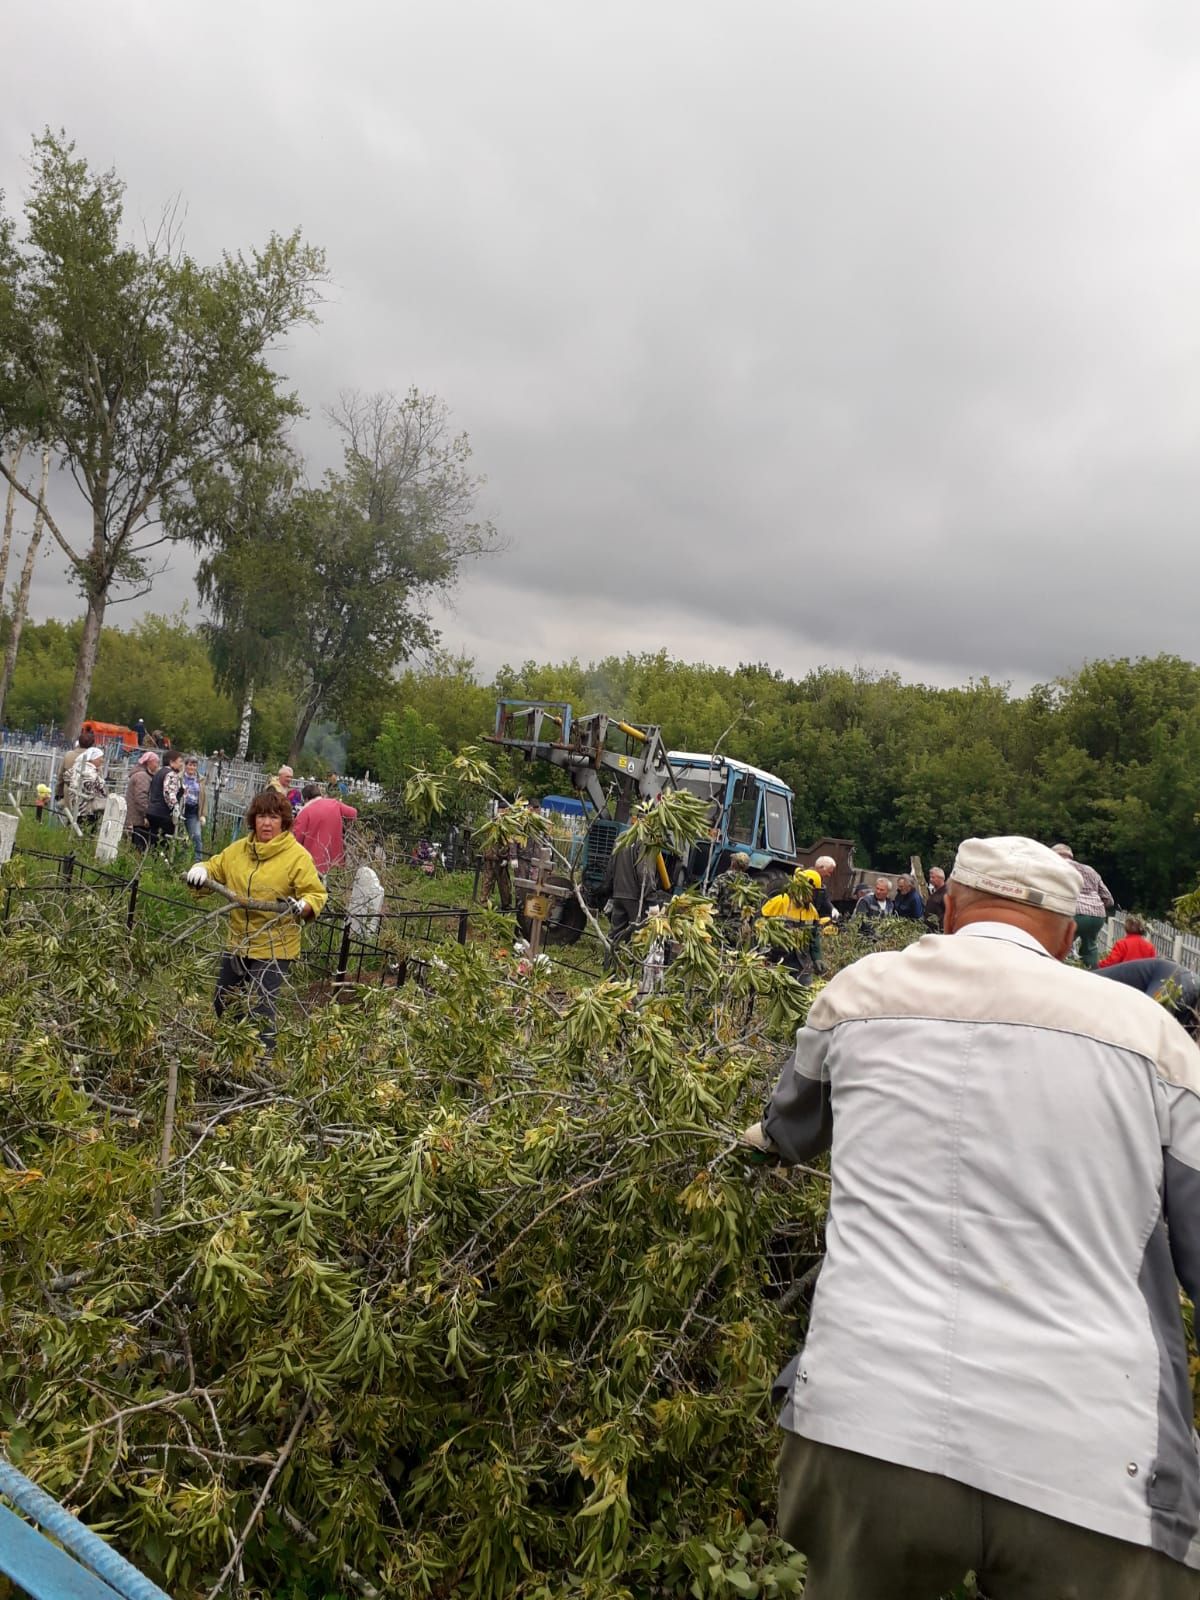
281	869
782	905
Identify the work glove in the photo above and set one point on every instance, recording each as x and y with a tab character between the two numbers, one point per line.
197	876
757	1147
299	909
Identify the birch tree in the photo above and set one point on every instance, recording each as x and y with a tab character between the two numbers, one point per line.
20	607
136	366
376	544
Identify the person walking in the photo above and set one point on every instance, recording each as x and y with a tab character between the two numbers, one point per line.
137	798
266	864
319	827
1134	946
1092	908
163	799
281	781
194	797
995	1373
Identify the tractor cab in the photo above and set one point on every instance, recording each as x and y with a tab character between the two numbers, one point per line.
751	810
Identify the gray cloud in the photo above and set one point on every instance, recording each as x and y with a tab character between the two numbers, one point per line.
857	334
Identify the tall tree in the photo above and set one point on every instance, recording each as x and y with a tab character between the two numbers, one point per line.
374	545
244	516
136	366
20	607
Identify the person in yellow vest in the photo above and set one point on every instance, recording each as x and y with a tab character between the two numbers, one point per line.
267	864
794	904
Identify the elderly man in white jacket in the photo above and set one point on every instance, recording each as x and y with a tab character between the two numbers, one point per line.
995	1376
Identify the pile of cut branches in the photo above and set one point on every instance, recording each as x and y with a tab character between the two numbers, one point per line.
466	1293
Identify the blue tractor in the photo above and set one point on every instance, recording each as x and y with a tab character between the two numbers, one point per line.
614	765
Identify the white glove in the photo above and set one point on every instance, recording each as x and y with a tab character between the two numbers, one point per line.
299	909
835	914
197	876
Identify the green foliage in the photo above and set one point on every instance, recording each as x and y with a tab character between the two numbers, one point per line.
489	1250
671	823
136	365
158	668
405	742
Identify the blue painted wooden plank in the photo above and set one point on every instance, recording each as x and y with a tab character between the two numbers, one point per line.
41	1568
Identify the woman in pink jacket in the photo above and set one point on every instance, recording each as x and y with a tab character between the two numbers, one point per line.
318	827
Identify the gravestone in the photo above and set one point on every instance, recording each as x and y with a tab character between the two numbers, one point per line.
112	826
8	835
366	902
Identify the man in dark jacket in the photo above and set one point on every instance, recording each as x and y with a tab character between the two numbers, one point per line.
879	904
165	788
1166	981
908	899
935	900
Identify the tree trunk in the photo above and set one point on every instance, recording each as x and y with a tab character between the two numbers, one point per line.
311	706
243	743
10	511
21	603
85	665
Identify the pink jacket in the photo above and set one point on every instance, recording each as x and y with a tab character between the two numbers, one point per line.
318	827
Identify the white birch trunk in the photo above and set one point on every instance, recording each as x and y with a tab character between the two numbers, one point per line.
21	602
243	743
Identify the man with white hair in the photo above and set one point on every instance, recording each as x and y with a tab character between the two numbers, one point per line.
823	897
995	1376
282	781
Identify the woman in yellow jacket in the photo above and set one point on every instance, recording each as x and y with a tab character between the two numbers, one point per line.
268	863
794	905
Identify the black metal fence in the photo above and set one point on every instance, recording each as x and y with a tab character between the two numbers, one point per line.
336	947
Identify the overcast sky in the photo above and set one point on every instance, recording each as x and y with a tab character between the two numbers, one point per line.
840	332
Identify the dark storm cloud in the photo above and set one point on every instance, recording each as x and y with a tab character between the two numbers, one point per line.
855	334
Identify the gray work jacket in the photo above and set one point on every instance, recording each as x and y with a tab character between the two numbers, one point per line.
1015	1198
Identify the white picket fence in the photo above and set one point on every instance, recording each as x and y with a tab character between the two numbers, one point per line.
1167	939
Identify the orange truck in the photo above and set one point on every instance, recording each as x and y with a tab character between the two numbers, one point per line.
106	732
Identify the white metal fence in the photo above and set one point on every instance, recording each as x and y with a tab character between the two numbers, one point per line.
232	784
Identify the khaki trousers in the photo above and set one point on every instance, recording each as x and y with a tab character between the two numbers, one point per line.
874	1531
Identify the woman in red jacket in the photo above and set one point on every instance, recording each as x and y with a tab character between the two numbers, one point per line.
1133	947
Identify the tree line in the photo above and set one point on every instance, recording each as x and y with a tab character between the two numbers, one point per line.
1107	758
139	408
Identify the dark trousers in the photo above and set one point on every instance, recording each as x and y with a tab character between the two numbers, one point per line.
1087	929
623	919
255	981
874	1531
159	828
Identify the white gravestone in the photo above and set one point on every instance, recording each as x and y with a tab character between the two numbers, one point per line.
8	835
366	902
112	826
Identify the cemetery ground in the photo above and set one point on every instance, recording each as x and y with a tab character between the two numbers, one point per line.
465	1292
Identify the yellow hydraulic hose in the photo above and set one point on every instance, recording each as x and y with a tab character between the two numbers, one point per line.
634	733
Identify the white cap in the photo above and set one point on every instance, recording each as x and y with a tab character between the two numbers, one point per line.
1014	868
